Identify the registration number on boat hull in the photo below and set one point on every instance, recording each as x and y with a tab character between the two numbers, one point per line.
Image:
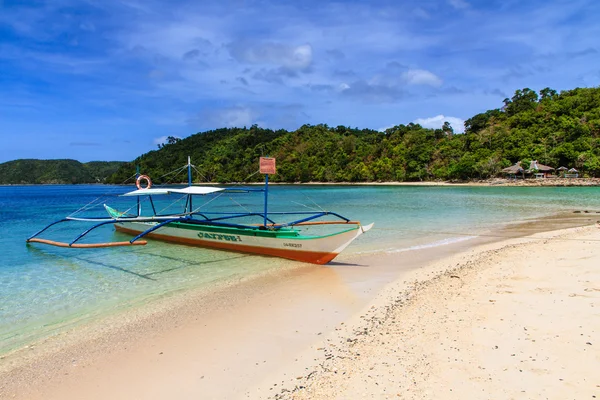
219	236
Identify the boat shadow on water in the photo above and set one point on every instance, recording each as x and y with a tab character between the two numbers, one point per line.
74	261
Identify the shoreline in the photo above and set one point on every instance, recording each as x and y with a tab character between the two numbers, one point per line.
493	182
324	297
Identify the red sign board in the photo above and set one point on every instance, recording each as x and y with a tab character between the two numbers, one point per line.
267	165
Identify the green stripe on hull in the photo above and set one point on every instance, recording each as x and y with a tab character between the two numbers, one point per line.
283	233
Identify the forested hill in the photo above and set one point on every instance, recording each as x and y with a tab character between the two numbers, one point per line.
56	171
557	129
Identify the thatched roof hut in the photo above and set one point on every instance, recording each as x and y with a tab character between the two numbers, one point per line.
572	173
514	169
535	165
562	168
540	170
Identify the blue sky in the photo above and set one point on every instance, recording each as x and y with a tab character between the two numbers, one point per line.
108	80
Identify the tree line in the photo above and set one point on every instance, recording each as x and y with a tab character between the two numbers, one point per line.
32	171
557	129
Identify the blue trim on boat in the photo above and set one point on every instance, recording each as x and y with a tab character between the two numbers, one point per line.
42	230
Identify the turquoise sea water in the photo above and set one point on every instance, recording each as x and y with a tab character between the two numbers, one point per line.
44	288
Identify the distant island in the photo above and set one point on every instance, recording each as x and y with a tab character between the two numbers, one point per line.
31	171
556	129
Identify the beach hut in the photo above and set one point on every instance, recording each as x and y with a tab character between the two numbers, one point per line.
572	173
514	170
562	171
540	170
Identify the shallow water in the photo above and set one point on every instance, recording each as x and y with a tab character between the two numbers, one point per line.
45	288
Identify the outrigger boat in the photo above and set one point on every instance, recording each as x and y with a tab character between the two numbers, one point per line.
223	230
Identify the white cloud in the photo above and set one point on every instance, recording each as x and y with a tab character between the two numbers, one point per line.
301	57
436	122
236	117
230	117
389	84
421	77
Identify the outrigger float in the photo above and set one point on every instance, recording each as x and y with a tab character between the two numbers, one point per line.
222	230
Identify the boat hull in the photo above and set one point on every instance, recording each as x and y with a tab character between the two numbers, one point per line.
286	244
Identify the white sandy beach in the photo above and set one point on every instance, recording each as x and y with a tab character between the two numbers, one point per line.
510	319
515	321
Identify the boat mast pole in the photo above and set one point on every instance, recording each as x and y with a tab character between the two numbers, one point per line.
266	165
189	172
190	180
266	196
139	206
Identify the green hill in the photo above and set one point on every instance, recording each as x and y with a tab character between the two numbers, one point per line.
29	171
557	129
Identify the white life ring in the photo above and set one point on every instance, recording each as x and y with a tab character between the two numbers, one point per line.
141	178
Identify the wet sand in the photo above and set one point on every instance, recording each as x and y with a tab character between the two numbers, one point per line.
243	342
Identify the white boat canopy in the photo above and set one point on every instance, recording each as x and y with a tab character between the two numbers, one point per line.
186	190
